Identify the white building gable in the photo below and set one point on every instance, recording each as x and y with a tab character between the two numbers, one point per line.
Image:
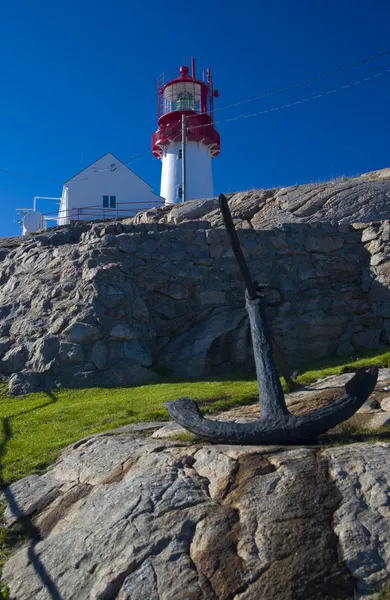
105	189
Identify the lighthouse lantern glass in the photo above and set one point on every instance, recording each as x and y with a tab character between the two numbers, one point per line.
182	96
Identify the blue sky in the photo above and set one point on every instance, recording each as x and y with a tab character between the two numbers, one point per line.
79	80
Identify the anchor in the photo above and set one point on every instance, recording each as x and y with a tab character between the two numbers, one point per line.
276	424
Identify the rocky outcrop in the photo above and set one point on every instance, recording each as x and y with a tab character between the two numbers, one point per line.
135	514
344	200
117	303
129	517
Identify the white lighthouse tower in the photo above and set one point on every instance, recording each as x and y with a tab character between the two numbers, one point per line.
194	99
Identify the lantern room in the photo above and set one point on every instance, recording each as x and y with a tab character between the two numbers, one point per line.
192	97
182	95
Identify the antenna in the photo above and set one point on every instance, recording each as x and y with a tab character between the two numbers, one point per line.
32	222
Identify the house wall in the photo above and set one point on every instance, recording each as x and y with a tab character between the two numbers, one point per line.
82	197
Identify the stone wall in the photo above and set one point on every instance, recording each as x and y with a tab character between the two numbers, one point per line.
118	303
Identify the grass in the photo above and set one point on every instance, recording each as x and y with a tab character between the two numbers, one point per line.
340	365
349	433
37	426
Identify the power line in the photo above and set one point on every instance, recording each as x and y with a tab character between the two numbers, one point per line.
280	107
247	115
300	83
273	93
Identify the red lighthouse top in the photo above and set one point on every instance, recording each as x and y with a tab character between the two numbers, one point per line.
193	98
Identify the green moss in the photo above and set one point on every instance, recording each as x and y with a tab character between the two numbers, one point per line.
187	437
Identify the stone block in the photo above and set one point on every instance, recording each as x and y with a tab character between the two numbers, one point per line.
140	311
100	354
323	243
14	360
110	296
122	332
23	383
212	297
369	234
82	333
71	353
378	292
377	259
43	353
133	350
367	339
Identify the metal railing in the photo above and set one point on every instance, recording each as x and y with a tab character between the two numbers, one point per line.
97	211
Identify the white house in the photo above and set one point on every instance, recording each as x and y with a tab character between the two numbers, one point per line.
105	189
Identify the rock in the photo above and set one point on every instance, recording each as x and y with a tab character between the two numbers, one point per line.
169	430
71	353
385	404
361	521
323	243
377	421
5	345
23	383
136	518
82	333
135	351
3	254
191	210
122	332
370	406
14	360
110	296
369	234
220	340
44	353
140	310
30	495
99	354
168	280
367	339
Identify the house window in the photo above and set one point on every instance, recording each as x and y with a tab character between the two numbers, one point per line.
113	167
109	201
180	154
179	193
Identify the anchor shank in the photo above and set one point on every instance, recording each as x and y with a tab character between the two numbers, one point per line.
271	395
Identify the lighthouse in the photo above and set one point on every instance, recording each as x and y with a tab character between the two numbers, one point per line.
185	110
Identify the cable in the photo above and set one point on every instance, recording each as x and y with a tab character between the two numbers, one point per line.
266	95
272	109
280	107
300	83
273	93
277	91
